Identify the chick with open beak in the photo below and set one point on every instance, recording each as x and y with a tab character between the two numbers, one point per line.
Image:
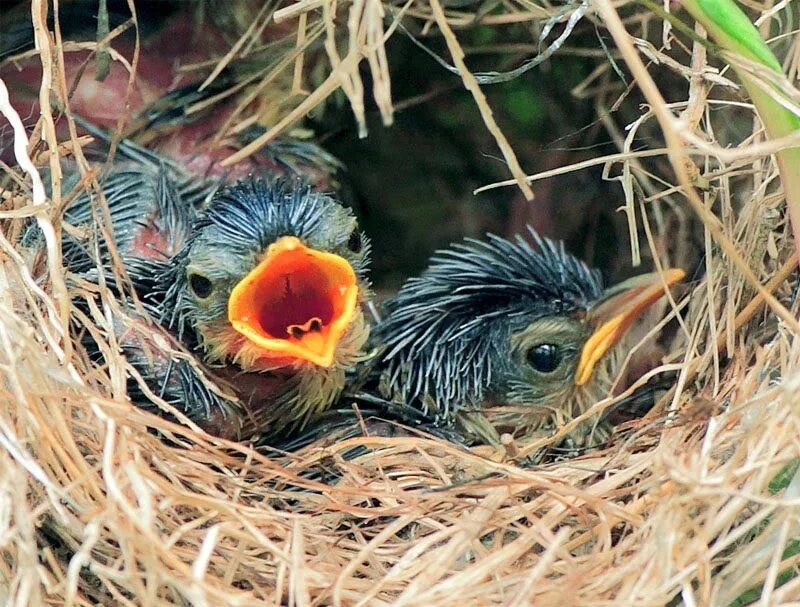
269	288
254	290
499	337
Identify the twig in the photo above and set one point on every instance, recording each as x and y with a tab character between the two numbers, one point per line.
473	87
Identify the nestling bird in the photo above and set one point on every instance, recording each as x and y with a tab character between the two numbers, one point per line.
499	336
262	281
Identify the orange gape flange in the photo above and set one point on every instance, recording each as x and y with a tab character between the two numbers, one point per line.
296	304
617	312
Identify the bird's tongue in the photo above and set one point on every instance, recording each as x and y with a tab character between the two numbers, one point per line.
297	303
617	310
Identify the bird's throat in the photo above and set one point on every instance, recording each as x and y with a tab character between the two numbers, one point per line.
296	304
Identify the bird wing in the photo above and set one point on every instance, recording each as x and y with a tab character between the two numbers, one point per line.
146	206
164	370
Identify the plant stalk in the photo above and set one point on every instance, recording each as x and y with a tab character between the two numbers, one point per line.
732	30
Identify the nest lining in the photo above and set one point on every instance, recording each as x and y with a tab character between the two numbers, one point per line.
696	503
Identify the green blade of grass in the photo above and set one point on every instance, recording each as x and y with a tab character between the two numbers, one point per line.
731	29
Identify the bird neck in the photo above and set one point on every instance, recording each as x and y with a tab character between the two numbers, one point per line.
540	419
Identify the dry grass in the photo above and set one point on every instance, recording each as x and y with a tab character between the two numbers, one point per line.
683	507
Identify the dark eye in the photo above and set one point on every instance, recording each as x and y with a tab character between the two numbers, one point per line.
545	358
354	242
200	285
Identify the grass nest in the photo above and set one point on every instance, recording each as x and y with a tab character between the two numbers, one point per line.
695	503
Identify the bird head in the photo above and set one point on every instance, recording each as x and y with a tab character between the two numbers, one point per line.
509	331
272	277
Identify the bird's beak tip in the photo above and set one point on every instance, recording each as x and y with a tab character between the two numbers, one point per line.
296	304
617	310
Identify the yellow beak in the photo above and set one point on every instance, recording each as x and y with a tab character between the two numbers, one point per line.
296	304
614	314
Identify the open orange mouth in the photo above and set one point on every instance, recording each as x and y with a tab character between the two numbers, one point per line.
297	303
617	310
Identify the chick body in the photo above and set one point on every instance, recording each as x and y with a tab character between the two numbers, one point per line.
491	338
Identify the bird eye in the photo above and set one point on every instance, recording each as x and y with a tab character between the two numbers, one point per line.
200	285
545	358
354	242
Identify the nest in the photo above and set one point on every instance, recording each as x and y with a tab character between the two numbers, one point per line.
695	503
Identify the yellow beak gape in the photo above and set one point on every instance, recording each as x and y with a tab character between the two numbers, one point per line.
621	305
296	303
